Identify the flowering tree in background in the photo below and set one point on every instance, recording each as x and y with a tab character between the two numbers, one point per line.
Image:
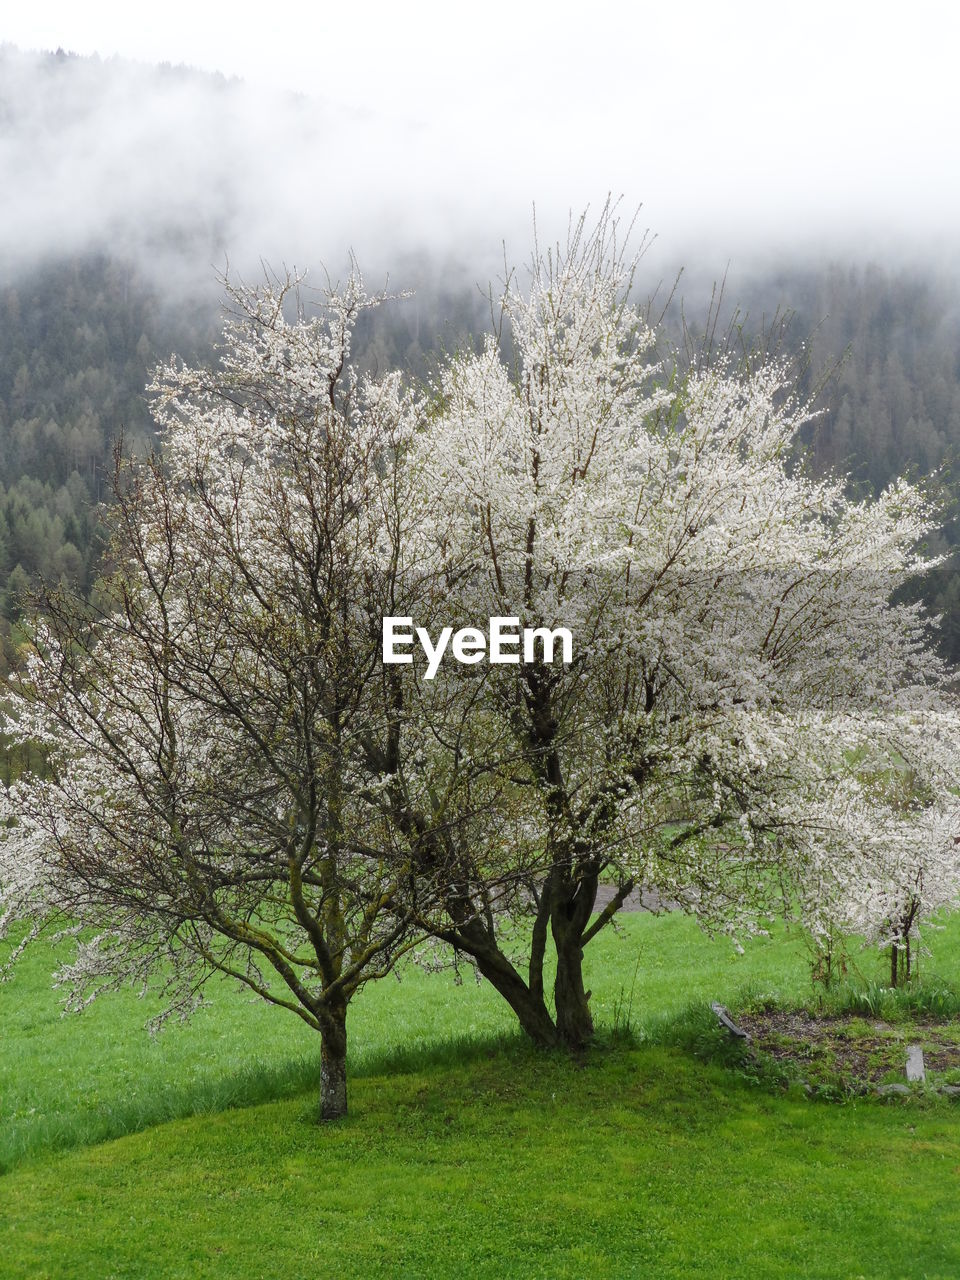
888	862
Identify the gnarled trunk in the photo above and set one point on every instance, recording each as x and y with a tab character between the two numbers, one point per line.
333	1063
573	902
528	1005
574	1020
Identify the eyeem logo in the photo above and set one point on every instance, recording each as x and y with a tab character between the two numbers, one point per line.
506	643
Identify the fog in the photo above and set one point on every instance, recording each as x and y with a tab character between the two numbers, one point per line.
753	150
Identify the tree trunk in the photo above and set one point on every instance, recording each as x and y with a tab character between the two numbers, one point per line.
333	1064
527	1005
479	942
571	908
574	1020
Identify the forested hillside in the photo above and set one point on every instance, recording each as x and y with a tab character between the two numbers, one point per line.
883	360
894	402
79	338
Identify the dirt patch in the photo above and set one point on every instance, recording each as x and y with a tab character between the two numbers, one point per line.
850	1052
941	1046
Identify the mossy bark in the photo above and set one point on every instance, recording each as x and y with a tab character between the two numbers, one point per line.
333	1064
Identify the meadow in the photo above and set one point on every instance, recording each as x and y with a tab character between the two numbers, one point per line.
660	1152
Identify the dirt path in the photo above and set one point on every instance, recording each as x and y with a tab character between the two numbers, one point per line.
645	898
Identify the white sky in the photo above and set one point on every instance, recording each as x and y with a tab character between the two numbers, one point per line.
740	126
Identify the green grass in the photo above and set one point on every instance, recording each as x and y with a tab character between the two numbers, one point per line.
75	1079
634	1163
936	1000
463	1151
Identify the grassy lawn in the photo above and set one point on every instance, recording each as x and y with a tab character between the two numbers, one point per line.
638	1163
464	1152
83	1078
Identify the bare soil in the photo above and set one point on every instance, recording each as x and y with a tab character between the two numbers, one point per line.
851	1050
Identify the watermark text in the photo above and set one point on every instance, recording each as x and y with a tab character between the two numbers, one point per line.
504	642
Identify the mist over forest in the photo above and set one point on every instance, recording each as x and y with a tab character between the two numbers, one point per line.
127	188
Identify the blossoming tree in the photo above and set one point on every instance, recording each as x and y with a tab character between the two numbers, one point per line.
198	814
742	685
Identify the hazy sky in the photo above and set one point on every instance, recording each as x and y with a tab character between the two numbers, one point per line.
743	128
